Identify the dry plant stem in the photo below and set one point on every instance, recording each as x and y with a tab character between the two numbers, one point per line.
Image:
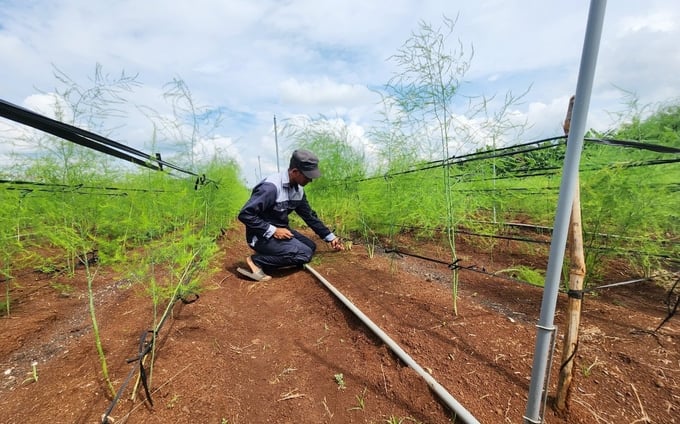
598	418
137	381
644	418
328	411
291	395
507	410
383	376
591	366
126	416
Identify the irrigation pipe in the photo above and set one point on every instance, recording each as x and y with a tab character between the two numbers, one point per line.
461	413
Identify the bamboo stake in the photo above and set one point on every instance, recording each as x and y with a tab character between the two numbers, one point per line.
577	272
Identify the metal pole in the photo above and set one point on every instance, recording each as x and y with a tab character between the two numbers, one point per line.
276	141
462	414
545	327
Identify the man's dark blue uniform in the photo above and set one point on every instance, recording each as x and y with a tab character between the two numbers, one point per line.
265	216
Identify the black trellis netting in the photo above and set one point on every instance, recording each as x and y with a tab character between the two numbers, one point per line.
522	185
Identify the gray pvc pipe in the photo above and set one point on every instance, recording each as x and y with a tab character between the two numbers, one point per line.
545	327
461	413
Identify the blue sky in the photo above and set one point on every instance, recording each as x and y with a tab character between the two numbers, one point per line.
253	59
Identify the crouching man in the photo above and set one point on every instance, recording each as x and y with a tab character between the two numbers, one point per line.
265	216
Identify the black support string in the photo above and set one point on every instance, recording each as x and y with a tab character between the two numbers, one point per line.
30	186
576	294
531	146
672	306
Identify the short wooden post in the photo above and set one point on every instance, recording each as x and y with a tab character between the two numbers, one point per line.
577	272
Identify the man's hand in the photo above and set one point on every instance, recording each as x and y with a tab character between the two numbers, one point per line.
336	244
282	234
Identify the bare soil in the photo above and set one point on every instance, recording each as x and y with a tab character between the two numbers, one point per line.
287	351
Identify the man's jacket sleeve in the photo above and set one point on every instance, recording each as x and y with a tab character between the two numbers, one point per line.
312	220
262	198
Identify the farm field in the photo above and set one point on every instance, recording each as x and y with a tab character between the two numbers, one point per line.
287	351
121	301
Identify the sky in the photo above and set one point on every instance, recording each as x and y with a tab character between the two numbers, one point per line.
252	60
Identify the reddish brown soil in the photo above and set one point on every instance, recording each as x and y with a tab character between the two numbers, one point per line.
273	352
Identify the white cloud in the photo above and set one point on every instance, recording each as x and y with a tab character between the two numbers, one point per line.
547	118
50	105
324	93
208	149
654	22
16	141
256	59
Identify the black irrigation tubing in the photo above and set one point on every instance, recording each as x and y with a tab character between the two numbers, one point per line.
86	138
523	173
75	134
455	160
549	171
494	236
26	191
578	294
26	187
456	265
672	310
634	144
41	122
490	154
71	133
92	191
461	159
484	155
439	261
543	228
637	164
608	286
540	190
530	240
536	228
552	171
77	186
458	161
514	150
615	250
556	169
572	293
528	190
470	233
633	252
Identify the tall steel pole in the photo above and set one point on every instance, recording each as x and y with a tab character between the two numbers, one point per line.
545	327
276	141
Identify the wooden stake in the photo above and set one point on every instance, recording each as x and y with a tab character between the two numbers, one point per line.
577	272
